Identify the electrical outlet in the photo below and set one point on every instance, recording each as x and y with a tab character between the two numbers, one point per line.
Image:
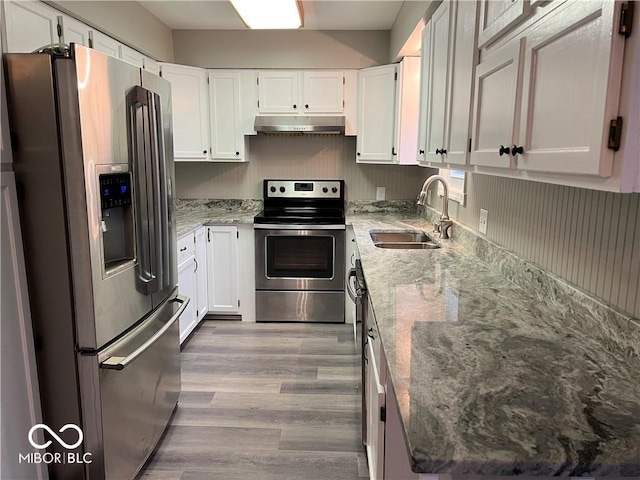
380	193
483	221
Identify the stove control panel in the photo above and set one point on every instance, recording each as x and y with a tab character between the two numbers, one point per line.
303	189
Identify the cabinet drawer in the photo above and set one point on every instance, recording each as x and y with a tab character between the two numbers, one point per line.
186	248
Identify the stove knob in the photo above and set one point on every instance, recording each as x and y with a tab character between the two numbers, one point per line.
273	189
334	190
282	189
325	189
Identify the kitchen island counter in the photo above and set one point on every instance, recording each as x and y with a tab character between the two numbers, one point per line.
495	379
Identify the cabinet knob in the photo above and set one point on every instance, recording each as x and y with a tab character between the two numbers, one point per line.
421	152
515	150
306	105
438	151
295	106
358	154
237	153
503	150
443	151
204	151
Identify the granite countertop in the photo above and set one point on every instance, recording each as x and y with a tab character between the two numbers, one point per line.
490	379
191	214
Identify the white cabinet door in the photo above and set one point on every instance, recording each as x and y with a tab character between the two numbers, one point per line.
30	25
497	99
74	31
227	140
375	425
105	44
323	92
187	287
222	269
376	115
278	92
151	66
498	16
571	87
202	286
131	56
438	82
407	111
190	113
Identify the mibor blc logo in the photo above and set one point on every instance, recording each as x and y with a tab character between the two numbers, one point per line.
48	457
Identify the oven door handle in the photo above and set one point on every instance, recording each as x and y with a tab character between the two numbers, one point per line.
274	226
354	296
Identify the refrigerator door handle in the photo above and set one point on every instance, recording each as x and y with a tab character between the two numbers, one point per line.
119	363
160	192
138	104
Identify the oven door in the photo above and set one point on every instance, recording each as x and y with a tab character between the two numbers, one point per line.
300	258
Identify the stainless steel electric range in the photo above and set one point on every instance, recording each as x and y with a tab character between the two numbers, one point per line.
300	252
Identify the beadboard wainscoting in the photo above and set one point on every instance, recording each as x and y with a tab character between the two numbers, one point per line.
298	157
589	238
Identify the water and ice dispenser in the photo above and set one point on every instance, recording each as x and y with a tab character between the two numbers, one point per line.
118	235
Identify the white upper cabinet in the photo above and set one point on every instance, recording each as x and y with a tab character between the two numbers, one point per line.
30	25
323	92
278	92
497	17
570	93
104	43
227	138
449	57
376	115
151	66
437	84
74	31
300	92
497	100
190	115
388	113
131	56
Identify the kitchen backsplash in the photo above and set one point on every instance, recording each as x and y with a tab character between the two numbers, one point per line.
589	238
303	157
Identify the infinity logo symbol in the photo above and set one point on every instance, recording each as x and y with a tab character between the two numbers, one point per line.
53	434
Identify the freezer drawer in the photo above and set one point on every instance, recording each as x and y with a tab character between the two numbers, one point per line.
139	388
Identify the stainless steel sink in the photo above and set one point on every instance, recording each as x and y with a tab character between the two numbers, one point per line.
402	239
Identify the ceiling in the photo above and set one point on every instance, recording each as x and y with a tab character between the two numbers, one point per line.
318	14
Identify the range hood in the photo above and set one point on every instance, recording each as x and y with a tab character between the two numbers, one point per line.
299	124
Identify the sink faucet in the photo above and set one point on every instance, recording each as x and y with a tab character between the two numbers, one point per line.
445	222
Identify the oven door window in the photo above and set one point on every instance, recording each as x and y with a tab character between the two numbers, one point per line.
300	256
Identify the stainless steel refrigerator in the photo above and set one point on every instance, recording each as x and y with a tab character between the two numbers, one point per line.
93	158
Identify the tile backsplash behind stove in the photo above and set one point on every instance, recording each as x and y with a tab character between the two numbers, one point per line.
297	157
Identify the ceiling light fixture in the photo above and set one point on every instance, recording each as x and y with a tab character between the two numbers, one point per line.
269	14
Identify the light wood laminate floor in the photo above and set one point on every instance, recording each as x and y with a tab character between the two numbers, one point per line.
265	401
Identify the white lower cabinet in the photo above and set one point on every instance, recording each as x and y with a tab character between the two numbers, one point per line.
202	284
187	287
222	269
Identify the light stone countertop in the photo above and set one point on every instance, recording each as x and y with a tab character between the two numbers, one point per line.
489	379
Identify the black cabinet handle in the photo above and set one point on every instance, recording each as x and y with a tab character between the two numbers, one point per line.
515	150
183	249
358	154
237	153
504	150
421	152
295	106
204	151
393	151
438	151
306	106
443	151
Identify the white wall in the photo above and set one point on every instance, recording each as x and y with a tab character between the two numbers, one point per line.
404	38
126	21
281	49
298	157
